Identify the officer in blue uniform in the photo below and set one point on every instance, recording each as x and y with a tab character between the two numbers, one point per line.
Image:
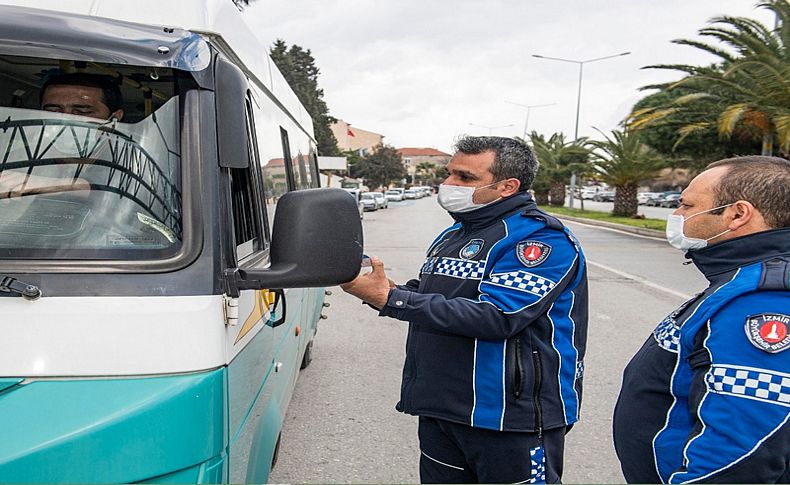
707	397
497	325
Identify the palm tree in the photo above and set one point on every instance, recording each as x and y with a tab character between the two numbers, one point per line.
623	161
746	92
558	160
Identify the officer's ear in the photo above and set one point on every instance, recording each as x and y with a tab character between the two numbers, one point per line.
509	187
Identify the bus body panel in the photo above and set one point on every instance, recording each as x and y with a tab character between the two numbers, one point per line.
111	430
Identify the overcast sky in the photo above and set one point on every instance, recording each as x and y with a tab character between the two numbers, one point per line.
420	71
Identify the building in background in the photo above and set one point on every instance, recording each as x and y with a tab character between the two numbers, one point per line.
352	139
418	160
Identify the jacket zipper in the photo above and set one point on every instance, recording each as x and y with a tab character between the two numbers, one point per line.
536	393
519	370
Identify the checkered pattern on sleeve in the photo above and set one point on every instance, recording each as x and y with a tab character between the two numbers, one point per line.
579	369
428	265
523	281
759	384
466	269
667	334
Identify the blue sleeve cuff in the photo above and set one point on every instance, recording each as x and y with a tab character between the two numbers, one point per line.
397	303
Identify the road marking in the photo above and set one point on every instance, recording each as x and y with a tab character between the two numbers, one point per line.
640	280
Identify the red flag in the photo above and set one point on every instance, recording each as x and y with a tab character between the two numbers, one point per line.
350	133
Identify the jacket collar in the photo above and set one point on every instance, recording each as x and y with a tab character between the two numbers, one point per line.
732	254
496	211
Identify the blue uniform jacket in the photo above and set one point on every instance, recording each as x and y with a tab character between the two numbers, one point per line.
497	322
707	397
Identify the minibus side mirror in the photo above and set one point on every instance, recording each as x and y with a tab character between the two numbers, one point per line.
230	99
316	241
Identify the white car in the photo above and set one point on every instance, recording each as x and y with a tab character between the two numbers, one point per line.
643	197
394	195
369	202
410	194
382	200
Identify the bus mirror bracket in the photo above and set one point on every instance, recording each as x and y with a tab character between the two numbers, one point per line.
316	242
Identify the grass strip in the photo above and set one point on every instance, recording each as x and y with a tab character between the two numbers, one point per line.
657	224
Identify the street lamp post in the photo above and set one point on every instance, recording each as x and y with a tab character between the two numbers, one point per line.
491	128
578	101
529	108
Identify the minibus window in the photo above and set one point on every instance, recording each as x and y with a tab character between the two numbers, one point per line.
313	169
293	181
248	209
97	178
305	180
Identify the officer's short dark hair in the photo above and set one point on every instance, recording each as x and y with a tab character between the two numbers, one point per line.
763	181
512	157
111	93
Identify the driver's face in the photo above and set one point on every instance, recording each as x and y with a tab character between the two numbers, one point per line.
76	100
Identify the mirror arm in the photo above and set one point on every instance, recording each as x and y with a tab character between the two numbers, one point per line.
237	279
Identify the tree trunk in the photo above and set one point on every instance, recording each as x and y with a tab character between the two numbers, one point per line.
768	144
625	203
557	193
542	198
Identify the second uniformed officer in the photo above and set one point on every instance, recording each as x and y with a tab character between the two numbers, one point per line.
497	325
707	397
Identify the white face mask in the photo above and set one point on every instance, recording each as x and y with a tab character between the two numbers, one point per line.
458	198
678	240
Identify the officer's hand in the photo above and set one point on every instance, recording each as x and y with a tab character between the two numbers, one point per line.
372	287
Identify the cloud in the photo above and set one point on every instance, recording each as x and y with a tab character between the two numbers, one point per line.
420	71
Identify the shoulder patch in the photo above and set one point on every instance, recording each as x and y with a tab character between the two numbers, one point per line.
471	248
768	331
531	253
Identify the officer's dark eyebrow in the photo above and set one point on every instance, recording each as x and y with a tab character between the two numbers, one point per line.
464	173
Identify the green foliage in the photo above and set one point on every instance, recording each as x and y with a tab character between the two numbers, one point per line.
697	149
381	167
298	67
558	160
745	93
623	161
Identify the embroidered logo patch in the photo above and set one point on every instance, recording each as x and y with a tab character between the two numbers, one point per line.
768	331
532	253
472	248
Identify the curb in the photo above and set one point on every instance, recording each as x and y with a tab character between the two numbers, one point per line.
611	225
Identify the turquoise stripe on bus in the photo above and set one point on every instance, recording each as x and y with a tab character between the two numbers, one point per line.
111	430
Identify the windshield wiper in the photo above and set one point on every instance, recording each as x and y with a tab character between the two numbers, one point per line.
13	285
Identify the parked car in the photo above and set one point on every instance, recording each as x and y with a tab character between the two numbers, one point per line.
369	202
355	193
383	202
658	199
671	201
643	197
410	194
604	196
394	195
587	194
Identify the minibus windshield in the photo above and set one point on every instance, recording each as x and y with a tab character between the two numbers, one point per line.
77	183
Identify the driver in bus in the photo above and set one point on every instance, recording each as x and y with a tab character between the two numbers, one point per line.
93	95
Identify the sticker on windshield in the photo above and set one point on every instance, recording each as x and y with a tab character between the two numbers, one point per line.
163	229
44	217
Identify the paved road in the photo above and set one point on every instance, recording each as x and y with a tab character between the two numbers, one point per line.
342	427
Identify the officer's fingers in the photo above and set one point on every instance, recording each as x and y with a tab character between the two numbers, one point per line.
377	265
